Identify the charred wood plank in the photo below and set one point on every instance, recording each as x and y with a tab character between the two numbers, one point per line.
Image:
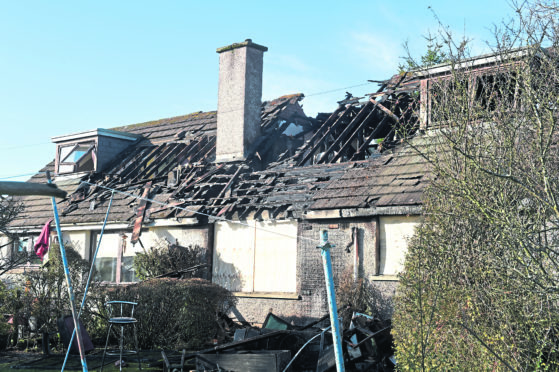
378	130
228	185
189	182
359	129
332	118
136	232
131	172
324	137
165	155
390	114
365	110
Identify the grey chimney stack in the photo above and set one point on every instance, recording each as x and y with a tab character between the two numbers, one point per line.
238	99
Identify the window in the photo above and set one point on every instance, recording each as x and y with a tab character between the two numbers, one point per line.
486	93
395	232
23	246
260	257
115	259
78	157
445	95
495	91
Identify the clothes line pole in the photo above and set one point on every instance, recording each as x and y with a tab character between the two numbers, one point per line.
91	270
68	280
334	321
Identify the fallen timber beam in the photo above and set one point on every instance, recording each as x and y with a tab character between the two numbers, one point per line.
386	111
28	188
237	343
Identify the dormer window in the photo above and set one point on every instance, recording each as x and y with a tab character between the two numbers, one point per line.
78	157
89	151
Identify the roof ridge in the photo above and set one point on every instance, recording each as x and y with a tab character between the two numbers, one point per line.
170	120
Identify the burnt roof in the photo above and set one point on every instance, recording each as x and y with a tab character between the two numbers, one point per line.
285	174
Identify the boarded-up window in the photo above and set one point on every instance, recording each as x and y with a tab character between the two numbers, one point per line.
260	257
394	234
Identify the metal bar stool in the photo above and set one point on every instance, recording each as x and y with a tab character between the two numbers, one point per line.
120	319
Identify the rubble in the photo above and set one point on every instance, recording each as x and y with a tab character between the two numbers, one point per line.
281	346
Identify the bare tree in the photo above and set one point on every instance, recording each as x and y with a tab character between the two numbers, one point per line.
10	256
479	290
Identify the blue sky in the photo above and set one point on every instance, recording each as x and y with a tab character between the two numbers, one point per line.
69	66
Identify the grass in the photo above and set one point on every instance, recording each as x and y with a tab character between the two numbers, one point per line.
36	361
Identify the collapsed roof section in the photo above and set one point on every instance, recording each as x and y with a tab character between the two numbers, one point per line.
357	130
294	158
176	157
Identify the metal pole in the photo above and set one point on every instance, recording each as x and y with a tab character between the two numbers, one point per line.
90	276
327	262
68	281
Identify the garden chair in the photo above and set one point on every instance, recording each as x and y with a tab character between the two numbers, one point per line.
121	314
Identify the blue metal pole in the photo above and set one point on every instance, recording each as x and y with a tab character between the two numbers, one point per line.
68	280
334	321
90	276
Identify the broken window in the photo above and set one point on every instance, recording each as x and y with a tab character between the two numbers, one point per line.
23	246
445	96
496	91
484	93
78	157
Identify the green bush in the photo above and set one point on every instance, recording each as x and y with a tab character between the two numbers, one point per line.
6	299
46	293
43	295
176	313
165	258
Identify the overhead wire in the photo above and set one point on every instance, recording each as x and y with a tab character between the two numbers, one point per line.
228	111
186	209
21	175
223	219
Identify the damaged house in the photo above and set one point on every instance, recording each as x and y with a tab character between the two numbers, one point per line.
253	184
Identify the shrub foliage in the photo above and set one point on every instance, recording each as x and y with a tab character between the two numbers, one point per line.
165	258
176	313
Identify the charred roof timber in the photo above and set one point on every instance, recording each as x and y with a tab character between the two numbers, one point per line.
250	159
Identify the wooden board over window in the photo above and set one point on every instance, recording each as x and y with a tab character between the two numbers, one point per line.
256	257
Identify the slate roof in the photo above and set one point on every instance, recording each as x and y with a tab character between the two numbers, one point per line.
184	145
393	179
284	175
192	126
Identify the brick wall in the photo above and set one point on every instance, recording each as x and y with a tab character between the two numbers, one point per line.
311	287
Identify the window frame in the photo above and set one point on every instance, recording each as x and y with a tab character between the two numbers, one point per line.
474	80
118	273
91	148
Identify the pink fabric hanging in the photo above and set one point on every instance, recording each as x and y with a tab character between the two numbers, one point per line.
42	244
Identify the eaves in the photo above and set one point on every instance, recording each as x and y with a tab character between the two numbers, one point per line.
363	212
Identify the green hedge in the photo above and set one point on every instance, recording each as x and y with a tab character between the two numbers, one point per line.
176	313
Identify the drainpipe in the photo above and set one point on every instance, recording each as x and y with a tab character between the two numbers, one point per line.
334	321
356	254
